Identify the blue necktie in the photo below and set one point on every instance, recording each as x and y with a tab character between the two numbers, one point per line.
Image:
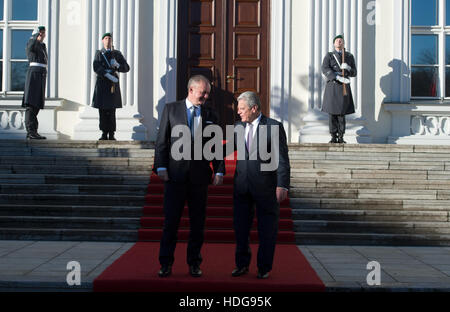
194	112
250	137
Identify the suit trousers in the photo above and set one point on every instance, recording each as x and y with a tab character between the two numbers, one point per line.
338	124
175	197
107	120
31	121
268	214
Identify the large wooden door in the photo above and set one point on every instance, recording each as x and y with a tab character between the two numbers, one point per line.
228	42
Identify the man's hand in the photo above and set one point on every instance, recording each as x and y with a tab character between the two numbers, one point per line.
112	78
163	175
343	80
345	66
218	180
282	194
115	64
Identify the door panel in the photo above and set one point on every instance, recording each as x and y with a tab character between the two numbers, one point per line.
227	41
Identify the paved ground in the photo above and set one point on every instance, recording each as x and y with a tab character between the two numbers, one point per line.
344	268
42	266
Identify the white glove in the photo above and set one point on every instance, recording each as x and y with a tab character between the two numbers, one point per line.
114	64
343	80
112	78
345	66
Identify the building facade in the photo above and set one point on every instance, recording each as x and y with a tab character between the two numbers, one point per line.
273	47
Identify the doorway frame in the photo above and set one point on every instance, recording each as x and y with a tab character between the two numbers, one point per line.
166	47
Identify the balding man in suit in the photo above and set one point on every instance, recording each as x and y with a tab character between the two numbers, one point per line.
185	179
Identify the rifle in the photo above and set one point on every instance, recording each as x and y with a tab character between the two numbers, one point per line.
343	73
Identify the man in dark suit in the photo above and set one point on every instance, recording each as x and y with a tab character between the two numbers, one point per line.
338	68
185	179
256	186
34	93
107	96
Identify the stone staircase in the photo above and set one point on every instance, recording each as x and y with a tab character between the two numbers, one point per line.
82	191
341	195
371	194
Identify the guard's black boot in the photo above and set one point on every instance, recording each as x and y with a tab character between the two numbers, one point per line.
35	136
334	139
341	139
104	136
111	136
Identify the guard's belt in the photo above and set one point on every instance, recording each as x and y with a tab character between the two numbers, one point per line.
38	65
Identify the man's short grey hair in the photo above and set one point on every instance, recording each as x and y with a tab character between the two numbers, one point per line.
251	98
197	79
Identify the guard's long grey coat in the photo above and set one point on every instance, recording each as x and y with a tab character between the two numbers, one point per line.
35	83
334	101
107	94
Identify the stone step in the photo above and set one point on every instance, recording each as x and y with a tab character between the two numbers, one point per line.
77	144
370	165
71	211
370	184
372	239
372	227
78	200
74	189
76	152
75	179
76	161
364	215
37	234
370	194
370	204
90	170
369	174
373	148
70	223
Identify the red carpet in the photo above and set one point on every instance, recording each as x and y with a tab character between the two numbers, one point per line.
136	271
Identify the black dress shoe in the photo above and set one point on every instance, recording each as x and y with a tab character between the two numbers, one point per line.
104	137
111	136
239	271
334	139
35	136
195	271
341	139
166	271
263	274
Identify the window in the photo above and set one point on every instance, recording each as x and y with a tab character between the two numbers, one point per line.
18	20
430	49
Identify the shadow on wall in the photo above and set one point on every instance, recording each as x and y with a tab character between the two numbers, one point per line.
166	80
289	109
390	84
168	84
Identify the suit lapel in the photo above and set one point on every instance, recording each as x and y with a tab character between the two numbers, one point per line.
262	122
204	115
182	113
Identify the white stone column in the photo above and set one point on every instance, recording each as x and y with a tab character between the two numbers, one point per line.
328	19
165	57
122	18
280	84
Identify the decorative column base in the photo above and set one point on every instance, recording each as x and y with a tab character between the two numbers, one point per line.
419	124
129	126
12	120
317	129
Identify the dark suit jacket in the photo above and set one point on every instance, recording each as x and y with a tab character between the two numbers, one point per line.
183	171
103	98
250	178
334	101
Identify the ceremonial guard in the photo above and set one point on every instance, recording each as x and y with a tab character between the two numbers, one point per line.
34	94
107	96
338	66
